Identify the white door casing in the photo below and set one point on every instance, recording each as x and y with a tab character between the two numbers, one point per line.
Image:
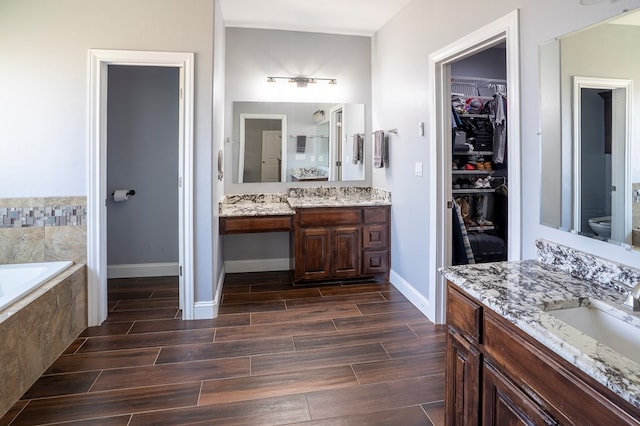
621	138
283	126
504	29
99	61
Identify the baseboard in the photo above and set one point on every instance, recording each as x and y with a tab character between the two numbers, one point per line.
142	270
415	297
209	309
257	265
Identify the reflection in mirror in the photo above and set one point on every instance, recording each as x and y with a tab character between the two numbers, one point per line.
590	116
292	141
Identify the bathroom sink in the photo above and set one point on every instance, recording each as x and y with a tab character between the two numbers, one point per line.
609	326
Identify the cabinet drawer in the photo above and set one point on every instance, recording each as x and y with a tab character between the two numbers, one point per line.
376	214
375	261
375	237
240	225
464	314
328	217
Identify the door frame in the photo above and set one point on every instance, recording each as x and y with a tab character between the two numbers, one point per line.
285	140
505	29
99	61
621	144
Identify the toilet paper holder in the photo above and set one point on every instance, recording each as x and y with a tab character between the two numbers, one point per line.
129	193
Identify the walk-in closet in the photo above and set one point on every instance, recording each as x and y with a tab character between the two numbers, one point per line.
479	167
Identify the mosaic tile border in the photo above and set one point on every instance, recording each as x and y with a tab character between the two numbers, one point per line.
29	213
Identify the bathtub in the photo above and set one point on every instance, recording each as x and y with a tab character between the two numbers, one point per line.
43	309
18	280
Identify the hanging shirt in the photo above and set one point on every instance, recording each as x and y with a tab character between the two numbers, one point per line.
500	129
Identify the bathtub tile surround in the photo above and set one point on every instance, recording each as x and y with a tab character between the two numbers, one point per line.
522	291
22	245
43	229
586	266
36	329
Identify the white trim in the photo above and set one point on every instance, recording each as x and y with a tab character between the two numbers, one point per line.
257	265
137	270
504	29
99	60
619	121
284	142
205	310
209	309
409	291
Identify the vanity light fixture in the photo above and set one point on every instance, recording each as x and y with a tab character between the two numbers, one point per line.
591	2
302	81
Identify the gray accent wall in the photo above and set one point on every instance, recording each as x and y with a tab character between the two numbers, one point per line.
142	154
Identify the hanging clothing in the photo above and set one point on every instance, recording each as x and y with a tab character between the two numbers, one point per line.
499	128
461	250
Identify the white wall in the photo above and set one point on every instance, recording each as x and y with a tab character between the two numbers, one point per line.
43	81
400	79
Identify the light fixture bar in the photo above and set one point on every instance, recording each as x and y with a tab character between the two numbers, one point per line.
301	81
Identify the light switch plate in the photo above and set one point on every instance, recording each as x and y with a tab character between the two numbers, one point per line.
418	169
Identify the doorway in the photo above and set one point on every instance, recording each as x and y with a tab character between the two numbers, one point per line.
602	140
99	62
260	159
504	30
142	157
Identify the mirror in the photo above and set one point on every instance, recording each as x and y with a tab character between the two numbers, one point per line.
297	141
590	122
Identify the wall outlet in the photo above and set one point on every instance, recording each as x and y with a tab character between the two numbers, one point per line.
418	169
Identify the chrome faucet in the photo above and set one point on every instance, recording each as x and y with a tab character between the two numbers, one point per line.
633	298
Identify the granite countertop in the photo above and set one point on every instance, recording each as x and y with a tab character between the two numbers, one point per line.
301	198
285	203
522	291
255	205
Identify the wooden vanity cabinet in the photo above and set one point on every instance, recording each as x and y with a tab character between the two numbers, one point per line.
499	375
341	243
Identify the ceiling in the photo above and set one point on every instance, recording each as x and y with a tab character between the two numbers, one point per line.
353	17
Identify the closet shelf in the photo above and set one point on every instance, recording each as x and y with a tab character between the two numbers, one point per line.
473	191
463	153
472	172
465	115
481	228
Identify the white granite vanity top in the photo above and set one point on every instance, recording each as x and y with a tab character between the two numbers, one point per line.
255	205
337	197
521	292
285	203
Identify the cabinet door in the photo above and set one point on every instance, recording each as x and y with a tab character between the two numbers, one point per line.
505	404
313	254
346	251
462	391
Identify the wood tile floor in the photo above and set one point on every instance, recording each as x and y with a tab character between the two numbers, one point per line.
334	354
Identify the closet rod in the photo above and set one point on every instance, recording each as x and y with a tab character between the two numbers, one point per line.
478	79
